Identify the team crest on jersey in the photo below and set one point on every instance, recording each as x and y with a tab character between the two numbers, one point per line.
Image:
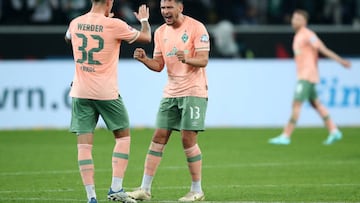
184	37
204	38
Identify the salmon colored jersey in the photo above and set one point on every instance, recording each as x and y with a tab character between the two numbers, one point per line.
190	37
305	46
96	43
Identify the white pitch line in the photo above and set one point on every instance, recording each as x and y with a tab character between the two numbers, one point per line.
157	201
35	199
37	191
77	200
22	173
280	185
210	186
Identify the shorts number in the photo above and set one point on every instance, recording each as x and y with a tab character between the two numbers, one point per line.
194	112
88	56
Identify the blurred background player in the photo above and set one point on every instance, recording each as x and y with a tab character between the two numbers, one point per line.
96	39
225	39
182	44
306	45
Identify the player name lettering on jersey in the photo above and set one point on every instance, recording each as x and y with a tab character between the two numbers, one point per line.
88	69
90	27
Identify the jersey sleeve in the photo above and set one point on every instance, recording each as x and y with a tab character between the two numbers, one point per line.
314	40
202	38
68	31
125	32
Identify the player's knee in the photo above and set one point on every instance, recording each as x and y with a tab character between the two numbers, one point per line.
160	137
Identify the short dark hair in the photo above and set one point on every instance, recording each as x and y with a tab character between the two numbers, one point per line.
177	1
304	13
98	1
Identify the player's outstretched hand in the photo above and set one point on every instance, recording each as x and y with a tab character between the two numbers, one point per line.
143	13
346	63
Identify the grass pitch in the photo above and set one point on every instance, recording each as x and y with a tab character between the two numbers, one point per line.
238	166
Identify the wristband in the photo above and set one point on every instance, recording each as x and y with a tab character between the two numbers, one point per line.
144	19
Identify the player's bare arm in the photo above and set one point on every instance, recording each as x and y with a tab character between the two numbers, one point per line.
200	59
143	15
155	64
331	54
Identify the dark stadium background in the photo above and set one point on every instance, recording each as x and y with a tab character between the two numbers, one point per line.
262	27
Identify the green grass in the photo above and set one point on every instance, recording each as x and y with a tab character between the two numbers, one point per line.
238	166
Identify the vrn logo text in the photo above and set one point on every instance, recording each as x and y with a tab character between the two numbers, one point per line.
334	94
32	98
